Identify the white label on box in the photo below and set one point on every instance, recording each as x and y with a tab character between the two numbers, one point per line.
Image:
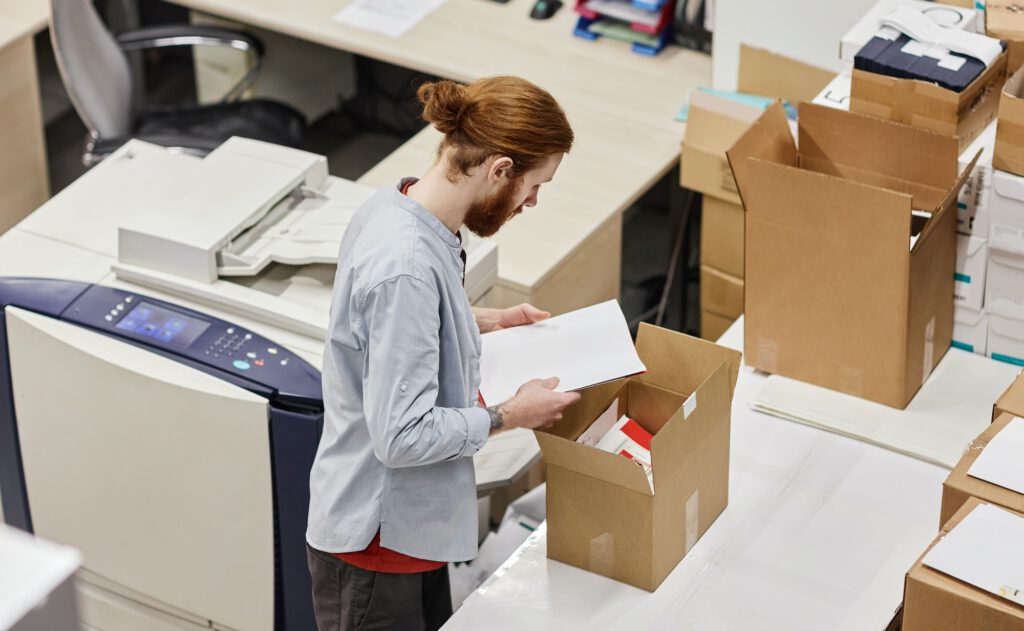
689	405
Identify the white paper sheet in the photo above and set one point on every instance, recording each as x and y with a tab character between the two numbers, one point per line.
984	550
600	427
949	411
390	17
581	348
1002	460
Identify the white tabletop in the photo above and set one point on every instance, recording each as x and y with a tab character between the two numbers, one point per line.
818	534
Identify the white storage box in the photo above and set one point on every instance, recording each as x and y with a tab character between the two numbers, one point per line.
1006	212
972	208
837	93
971	260
1004	284
1006	339
970	330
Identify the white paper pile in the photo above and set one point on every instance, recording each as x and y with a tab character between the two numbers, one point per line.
1001	462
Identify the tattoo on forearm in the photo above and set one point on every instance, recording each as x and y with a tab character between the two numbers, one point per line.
497	413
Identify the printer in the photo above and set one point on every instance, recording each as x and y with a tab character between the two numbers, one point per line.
162	322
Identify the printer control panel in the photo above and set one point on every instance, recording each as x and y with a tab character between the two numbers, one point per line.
198	337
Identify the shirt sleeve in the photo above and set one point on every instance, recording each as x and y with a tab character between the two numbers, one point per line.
400	381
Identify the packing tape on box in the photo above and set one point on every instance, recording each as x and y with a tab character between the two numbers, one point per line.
929	350
767	355
689	405
602	554
692	519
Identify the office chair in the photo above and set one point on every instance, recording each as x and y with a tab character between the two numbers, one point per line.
96	74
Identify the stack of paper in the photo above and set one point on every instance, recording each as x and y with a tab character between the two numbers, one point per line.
582	348
628	439
984	550
1001	462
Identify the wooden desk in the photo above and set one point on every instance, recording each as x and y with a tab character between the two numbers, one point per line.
566	252
24	184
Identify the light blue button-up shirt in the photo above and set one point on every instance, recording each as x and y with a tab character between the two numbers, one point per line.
401	375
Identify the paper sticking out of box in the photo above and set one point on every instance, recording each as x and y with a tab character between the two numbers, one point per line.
582	348
629	440
942	15
1001	462
985	550
601	426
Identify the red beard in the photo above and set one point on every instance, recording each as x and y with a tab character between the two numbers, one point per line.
486	216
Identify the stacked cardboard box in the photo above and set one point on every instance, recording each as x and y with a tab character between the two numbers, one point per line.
715	122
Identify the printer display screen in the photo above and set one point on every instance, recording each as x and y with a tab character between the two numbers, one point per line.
163	325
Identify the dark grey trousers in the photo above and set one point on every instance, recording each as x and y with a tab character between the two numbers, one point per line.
348	598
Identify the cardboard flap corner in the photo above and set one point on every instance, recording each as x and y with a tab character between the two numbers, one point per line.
669	355
769	138
765	72
948	202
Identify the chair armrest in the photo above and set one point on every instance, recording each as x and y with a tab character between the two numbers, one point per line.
189	35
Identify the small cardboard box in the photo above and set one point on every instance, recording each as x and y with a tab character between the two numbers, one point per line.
837	93
1004	284
714	123
926	105
1003	19
1005	339
971	260
1009	150
720	293
835	295
712	325
602	514
1011	401
970	330
959	485
721	235
862	32
972	205
934	601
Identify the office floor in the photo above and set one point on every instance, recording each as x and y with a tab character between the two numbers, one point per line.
353	146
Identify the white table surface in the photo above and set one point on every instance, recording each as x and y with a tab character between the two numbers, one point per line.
818	534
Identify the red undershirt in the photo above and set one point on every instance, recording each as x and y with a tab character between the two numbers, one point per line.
379	559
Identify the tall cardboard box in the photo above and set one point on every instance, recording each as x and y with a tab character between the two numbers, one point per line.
934	601
837	293
929	106
721	293
712	325
602	514
960	486
1003	19
721	236
1011	401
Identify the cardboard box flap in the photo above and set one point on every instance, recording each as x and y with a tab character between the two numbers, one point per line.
948	202
675	360
769	139
1009	185
579	416
595	463
878	152
771	74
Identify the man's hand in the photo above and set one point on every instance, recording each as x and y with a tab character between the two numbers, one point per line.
489	320
535	405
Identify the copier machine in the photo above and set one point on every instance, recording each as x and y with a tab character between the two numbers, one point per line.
162	417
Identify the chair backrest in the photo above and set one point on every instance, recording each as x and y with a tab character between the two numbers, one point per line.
94	68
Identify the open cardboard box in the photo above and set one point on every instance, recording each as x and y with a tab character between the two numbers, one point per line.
1011	401
934	601
602	513
837	293
922	104
959	486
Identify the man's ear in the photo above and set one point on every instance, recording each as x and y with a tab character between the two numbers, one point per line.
501	167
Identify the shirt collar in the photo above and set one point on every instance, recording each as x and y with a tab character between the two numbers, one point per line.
451	238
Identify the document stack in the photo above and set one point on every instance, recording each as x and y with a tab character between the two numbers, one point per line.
646	24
